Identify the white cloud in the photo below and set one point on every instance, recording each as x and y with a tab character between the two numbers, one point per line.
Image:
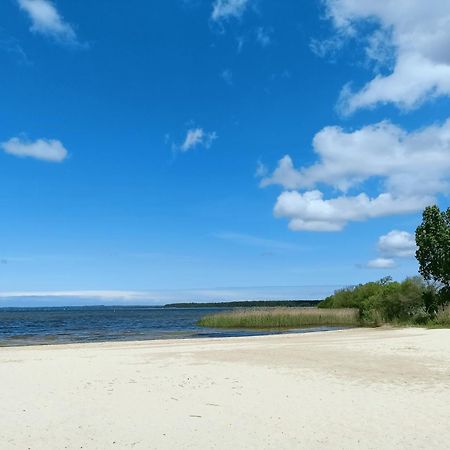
50	150
46	20
240	43
400	244
196	137
263	37
227	76
395	244
410	169
309	211
105	297
285	174
227	9
261	169
381	263
415	33
409	163
326	47
102	295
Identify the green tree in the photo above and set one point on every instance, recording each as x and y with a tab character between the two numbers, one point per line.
433	251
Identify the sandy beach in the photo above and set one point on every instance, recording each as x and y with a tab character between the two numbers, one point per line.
353	389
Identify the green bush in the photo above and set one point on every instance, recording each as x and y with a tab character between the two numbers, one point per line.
387	301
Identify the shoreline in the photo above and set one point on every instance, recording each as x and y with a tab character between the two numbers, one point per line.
361	388
118	342
257	333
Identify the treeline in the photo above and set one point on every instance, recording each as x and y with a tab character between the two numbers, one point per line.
247	304
411	302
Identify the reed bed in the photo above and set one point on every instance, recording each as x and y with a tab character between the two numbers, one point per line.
281	318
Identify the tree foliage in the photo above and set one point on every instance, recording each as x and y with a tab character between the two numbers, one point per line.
433	252
417	300
384	301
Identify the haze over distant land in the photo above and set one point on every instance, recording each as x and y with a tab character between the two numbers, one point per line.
171	147
158	298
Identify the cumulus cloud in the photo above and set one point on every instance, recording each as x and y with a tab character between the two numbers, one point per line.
50	150
409	168
400	244
46	20
228	9
197	137
381	263
410	163
393	245
309	211
414	33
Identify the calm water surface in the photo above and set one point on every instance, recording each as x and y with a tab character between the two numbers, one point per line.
28	326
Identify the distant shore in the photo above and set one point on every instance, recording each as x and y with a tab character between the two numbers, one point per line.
246	304
353	389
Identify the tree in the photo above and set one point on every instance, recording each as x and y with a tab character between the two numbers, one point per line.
433	250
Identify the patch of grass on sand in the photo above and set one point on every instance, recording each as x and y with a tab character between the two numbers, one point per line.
282	318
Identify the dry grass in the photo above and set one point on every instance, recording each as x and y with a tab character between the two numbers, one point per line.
443	317
282	318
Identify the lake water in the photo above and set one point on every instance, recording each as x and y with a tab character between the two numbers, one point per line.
28	326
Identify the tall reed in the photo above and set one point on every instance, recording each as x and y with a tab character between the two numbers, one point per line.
281	318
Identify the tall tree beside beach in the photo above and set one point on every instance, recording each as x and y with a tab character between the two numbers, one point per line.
433	251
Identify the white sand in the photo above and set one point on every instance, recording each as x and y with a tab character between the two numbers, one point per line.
364	389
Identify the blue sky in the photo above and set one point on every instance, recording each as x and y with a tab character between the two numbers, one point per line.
218	146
